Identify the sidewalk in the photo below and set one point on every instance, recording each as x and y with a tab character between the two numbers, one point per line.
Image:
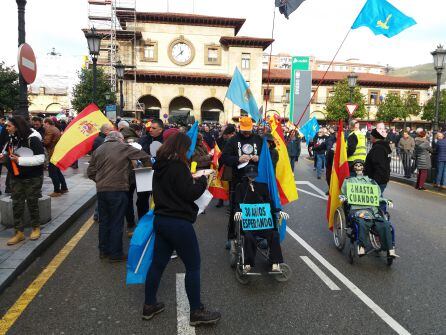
64	210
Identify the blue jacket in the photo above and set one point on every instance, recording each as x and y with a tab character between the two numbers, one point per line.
441	150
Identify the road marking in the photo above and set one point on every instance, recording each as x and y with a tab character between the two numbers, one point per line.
313	194
183	311
352	287
33	289
314	187
320	274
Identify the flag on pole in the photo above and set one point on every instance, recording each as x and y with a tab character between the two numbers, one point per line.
77	139
267	176
284	175
218	188
240	94
339	172
286	7
382	18
309	129
193	134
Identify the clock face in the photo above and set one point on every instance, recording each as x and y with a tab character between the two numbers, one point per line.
182	53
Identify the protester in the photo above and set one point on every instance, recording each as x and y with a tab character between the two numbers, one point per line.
228	133
406	147
105	129
244	147
356	146
175	191
293	148
440	149
319	148
422	157
52	136
377	162
109	168
207	136
201	155
4	137
24	160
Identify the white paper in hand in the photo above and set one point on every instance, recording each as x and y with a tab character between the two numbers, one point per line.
154	146
203	201
242	165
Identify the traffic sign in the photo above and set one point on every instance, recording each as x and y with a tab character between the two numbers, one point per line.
351	108
26	61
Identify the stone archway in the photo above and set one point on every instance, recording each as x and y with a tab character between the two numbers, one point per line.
152	107
320	115
211	110
181	110
54	107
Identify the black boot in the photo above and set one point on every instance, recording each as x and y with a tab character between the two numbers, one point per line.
149	311
201	316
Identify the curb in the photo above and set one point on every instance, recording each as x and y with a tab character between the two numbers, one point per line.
51	231
412	183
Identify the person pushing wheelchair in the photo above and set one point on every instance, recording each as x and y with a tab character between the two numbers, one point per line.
251	192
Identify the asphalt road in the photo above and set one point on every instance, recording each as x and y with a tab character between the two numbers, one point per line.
89	296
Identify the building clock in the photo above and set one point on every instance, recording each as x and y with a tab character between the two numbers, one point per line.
181	51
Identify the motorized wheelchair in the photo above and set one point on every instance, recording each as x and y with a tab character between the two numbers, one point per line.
237	258
346	227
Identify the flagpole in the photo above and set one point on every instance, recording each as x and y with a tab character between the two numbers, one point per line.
323	77
269	63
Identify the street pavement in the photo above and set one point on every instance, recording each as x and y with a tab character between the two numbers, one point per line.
87	295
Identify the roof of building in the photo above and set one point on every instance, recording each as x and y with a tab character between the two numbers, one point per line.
192	78
182	19
282	76
244	41
350	63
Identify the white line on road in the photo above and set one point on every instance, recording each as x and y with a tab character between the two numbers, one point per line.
183	327
320	274
314	187
313	194
355	290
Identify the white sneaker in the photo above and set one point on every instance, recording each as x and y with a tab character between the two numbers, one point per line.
361	251
174	255
276	268
246	268
393	254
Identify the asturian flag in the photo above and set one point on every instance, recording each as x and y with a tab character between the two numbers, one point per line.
382	18
77	139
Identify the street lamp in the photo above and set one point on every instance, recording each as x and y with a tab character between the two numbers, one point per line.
22	109
107	97
439	58
120	68
285	104
351	80
94	45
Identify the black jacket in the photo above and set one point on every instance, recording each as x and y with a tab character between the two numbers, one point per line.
238	146
98	141
147	140
174	190
319	144
377	162
352	143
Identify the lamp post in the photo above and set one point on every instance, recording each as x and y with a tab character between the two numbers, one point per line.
120	68
285	104
351	79
22	109
439	57
94	45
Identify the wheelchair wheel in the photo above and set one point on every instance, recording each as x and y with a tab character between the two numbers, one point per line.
232	260
339	235
351	253
286	273
241	278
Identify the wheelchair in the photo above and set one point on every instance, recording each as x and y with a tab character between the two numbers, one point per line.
345	227
237	258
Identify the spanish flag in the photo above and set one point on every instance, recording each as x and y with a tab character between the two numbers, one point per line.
77	139
218	188
284	175
339	172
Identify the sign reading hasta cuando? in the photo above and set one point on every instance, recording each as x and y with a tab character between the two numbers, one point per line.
256	216
363	194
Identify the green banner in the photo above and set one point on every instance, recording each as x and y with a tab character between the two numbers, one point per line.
363	194
300	83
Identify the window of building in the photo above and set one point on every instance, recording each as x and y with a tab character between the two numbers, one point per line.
374	98
212	55
268	94
287	94
246	61
149	51
415	95
330	92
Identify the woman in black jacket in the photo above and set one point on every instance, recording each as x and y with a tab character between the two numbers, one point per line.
174	192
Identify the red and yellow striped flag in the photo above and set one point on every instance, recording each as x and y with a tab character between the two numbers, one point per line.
77	139
284	175
218	188
339	172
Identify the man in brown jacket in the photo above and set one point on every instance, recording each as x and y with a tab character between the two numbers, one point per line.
406	146
109	169
52	136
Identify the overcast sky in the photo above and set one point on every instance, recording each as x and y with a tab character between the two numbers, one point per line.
316	28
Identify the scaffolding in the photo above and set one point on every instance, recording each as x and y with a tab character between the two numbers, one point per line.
116	21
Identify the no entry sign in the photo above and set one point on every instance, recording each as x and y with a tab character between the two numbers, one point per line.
26	61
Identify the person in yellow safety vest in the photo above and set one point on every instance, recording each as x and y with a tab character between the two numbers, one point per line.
356	146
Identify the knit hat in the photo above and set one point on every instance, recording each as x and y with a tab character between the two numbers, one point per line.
377	135
169	132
